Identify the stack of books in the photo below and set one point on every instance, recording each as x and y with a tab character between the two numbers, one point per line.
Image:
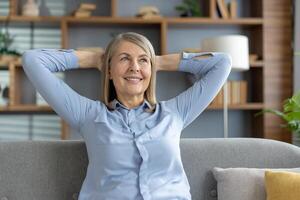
223	10
85	10
236	93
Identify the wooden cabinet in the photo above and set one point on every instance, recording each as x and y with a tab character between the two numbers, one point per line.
266	24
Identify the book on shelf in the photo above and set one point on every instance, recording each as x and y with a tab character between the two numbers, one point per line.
222	9
243	92
233	8
236	93
213	9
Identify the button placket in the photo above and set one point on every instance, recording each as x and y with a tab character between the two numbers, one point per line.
143	168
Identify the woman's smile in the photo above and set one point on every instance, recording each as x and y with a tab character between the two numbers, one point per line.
130	71
133	79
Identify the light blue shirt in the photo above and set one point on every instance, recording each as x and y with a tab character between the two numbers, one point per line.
133	154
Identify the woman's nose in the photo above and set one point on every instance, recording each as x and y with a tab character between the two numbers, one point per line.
134	66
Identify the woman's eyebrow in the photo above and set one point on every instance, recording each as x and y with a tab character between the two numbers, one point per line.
126	54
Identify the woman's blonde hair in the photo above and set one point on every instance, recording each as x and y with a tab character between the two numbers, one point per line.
108	88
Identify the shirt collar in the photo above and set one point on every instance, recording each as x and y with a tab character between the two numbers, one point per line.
115	104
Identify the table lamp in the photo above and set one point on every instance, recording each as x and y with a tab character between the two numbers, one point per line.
237	46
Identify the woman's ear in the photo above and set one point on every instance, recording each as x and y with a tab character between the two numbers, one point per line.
109	74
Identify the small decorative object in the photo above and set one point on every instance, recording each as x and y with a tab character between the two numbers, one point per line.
253	58
6	54
31	8
85	10
4	83
290	113
189	8
147	12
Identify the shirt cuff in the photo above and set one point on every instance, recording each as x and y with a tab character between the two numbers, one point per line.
71	58
187	63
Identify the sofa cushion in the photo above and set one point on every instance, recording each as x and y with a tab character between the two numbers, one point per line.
242	183
282	185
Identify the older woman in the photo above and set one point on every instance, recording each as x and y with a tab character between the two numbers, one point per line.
132	140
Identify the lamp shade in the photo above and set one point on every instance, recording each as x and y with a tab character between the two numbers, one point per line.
237	46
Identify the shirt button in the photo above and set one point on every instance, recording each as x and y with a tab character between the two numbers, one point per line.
4	198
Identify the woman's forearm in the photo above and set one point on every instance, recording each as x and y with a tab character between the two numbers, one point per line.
171	62
89	59
168	62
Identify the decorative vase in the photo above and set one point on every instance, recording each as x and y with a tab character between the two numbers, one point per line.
31	8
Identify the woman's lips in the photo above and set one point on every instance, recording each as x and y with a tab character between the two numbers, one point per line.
133	80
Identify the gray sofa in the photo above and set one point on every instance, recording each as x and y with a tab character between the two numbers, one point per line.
54	170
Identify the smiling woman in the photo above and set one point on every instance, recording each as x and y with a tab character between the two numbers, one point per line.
126	133
129	70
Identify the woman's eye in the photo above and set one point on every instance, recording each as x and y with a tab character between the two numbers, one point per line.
144	60
124	58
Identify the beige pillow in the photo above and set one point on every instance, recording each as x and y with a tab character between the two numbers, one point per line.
242	183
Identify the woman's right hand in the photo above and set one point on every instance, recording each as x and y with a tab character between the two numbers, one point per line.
90	58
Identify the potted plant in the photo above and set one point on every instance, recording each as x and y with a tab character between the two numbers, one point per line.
189	8
290	114
7	54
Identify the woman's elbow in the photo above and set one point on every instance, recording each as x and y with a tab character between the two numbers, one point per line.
226	60
28	57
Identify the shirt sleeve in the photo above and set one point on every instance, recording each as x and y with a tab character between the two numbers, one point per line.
39	65
211	73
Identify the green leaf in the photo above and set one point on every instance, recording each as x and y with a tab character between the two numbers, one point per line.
292	104
278	113
290	114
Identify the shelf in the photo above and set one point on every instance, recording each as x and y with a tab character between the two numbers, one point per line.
113	20
135	20
26	108
195	20
248	106
257	64
31	19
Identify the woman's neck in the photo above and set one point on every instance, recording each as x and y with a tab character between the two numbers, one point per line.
132	101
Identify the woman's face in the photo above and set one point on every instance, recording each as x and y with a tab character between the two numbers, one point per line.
130	70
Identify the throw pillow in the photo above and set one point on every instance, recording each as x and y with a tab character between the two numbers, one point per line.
282	185
242	183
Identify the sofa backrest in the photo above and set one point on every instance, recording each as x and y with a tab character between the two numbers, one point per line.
34	170
201	155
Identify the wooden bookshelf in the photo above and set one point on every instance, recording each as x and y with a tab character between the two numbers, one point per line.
237	21
135	20
27	108
247	106
271	77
